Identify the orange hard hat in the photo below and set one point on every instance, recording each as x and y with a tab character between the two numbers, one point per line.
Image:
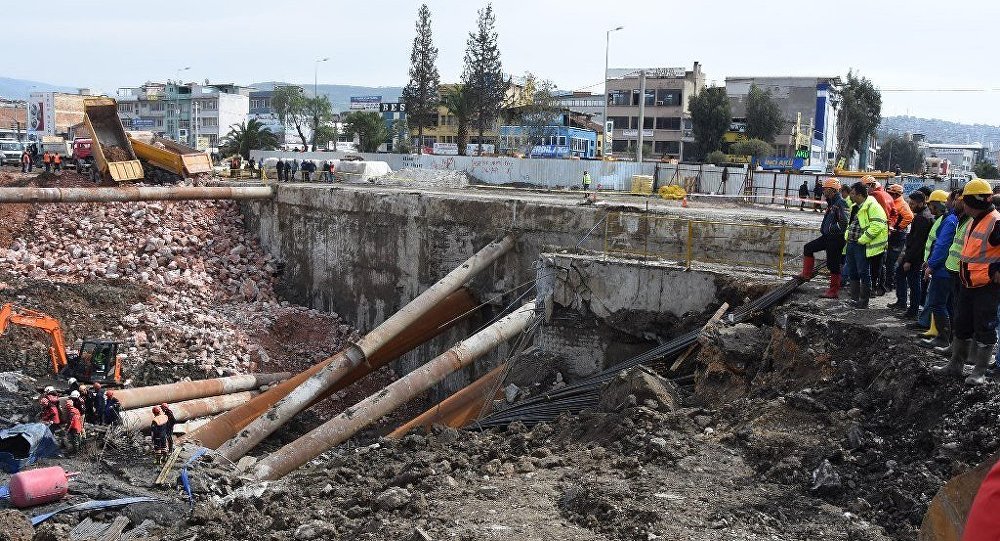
868	179
895	188
831	182
156	410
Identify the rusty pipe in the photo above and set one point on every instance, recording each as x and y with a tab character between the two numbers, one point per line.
188	390
140	418
340	428
458	409
356	354
451	310
132	193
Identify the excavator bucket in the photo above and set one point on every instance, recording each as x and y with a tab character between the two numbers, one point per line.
948	511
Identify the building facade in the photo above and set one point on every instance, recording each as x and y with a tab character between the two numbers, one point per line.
808	107
666	122
196	115
553	141
585	103
962	158
52	113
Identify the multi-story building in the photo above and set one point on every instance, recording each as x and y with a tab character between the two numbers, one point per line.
585	103
445	126
962	158
52	113
569	135
808	107
666	121
190	113
13	119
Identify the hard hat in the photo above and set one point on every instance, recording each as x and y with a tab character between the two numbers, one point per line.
156	410
977	186
71	381
939	196
74	394
50	389
831	182
895	188
868	179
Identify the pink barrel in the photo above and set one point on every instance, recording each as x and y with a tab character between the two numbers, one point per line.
35	487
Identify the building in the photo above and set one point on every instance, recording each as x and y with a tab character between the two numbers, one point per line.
585	103
666	123
962	158
566	137
262	111
53	113
13	119
445	126
196	115
808	107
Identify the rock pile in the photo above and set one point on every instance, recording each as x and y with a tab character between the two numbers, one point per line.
424	178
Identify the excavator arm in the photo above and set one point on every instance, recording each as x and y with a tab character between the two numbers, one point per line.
12	314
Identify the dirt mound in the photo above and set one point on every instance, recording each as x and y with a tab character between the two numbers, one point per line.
14	526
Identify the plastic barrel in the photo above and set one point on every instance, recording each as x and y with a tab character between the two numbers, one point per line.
35	487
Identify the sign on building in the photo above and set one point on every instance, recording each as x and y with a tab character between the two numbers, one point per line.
365	103
143	123
392	107
446	149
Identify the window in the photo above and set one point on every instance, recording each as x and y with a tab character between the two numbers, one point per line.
668	123
647	122
633	122
667	147
562	140
668	98
620	122
650	97
619	145
619	97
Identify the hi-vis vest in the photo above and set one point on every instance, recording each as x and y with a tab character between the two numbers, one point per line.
932	237
977	253
874	226
955	252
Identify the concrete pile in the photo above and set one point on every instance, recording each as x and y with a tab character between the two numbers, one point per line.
210	287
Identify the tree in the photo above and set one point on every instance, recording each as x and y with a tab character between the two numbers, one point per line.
401	137
483	74
896	150
537	115
716	157
421	94
458	104
247	136
859	116
752	147
764	120
370	129
324	134
986	170
290	104
319	109
710	119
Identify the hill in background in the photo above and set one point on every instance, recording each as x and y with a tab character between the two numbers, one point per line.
943	131
19	89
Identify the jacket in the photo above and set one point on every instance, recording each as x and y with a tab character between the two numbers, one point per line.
874	228
885	201
920	229
942	244
50	414
836	217
804	190
904	216
981	251
955	252
74	423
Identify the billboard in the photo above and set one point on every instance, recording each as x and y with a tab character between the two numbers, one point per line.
365	103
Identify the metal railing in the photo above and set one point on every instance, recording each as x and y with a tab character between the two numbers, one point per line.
689	240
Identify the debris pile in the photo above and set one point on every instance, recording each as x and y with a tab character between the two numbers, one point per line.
417	177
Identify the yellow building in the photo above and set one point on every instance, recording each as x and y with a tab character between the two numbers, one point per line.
445	127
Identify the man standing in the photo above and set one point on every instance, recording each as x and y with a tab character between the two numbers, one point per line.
171	421
908	268
100	403
831	238
586	183
942	342
885	201
817	195
897	233
280	169
940	289
295	167
979	293
26	163
74	427
112	409
56	162
867	236
47	161
803	194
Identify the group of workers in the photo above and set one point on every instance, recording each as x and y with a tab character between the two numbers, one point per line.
287	170
68	415
939	251
51	161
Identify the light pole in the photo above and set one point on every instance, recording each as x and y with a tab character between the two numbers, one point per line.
316	95
607	49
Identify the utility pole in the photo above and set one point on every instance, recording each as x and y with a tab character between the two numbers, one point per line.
642	115
316	95
607	47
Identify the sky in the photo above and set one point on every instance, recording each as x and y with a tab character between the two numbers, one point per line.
912	50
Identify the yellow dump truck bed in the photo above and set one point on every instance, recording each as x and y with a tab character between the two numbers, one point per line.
179	159
111	148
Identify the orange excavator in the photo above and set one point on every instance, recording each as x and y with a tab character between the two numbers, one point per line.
98	360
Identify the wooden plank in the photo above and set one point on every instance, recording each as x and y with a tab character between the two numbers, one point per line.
684	356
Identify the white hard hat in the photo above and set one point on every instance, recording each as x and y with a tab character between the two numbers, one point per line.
49	389
74	394
71	381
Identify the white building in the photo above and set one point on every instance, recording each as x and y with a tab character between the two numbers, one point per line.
190	113
963	158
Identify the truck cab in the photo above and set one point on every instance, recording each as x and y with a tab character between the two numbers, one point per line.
83	156
11	152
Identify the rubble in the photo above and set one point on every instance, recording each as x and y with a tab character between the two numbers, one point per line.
418	177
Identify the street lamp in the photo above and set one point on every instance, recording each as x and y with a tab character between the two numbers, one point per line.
316	74
607	48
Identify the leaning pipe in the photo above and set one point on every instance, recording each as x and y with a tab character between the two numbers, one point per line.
188	390
132	193
452	309
340	428
458	409
140	418
356	354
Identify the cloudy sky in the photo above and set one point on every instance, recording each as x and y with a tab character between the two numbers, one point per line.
919	52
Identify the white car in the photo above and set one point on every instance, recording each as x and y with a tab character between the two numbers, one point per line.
11	151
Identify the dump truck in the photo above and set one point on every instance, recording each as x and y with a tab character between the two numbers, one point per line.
114	158
181	160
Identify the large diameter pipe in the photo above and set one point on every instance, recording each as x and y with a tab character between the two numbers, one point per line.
132	193
340	428
343	363
458	409
454	308
140	418
188	390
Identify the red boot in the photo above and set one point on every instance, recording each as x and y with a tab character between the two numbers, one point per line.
834	287
808	265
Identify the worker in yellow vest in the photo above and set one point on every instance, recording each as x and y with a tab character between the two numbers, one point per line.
979	291
867	236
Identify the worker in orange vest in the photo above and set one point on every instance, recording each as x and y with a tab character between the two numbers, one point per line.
978	293
47	161
57	161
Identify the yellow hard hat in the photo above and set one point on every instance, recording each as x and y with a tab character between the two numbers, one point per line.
831	182
977	186
895	188
939	196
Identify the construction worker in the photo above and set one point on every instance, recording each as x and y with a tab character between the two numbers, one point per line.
939	290
831	239
803	194
56	161
74	427
911	260
942	343
100	403
979	294
867	235
158	430
112	409
49	414
885	201
818	195
171	421
26	164
72	385
897	233
47	161
586	181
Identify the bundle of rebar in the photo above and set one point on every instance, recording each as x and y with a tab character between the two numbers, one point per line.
585	394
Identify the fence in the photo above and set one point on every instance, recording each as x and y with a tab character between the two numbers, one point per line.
761	246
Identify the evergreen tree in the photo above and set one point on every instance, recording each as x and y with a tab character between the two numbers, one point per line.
483	77
710	119
421	94
763	115
859	116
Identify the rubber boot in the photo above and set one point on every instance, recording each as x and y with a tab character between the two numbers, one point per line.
942	339
980	357
959	356
808	267
855	291
866	294
832	292
946	351
931	332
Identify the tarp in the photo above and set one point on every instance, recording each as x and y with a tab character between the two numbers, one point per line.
92	505
23	445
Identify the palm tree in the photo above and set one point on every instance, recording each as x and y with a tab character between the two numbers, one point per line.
370	128
247	136
458	103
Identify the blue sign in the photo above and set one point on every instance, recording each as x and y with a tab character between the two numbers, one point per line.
367	103
549	151
143	122
780	163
